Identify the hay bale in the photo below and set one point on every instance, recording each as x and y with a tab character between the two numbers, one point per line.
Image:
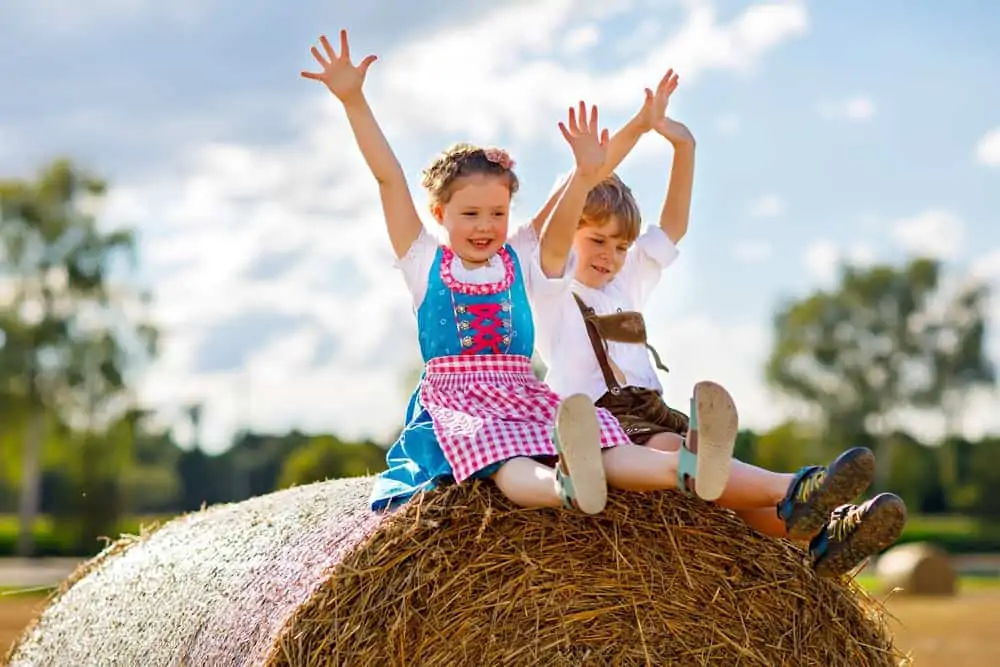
918	568
310	577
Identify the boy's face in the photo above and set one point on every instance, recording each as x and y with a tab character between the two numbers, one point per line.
600	253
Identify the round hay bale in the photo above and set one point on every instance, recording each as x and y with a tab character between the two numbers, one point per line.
310	577
918	568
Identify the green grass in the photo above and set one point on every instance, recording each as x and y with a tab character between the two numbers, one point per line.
965	584
7	592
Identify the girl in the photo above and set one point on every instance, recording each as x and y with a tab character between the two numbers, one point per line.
594	340
479	411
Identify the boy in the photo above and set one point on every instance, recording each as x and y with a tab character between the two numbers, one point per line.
593	340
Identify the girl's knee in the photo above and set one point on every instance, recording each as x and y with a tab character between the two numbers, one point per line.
666	442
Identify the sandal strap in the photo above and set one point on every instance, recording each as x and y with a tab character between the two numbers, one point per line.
687	467
566	492
687	461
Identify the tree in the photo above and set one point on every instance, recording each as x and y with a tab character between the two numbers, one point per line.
885	341
328	457
73	324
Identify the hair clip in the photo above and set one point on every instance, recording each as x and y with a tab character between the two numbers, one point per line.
499	156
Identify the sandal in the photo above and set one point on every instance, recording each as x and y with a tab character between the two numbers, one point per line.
706	456
580	470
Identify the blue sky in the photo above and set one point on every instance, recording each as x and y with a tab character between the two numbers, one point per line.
825	130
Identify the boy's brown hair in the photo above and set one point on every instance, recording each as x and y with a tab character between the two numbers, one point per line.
612	198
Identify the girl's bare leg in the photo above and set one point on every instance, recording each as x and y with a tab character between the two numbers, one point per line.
528	483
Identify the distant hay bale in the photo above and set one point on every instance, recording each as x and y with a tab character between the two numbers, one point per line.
310	577
919	568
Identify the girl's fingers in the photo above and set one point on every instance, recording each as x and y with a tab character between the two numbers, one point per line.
326	47
345	48
322	61
566	134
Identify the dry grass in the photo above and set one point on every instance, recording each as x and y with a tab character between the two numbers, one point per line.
308	578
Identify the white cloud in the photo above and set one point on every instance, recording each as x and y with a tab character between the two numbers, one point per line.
858	108
935	233
988	148
581	39
753	252
68	16
310	207
768	206
823	259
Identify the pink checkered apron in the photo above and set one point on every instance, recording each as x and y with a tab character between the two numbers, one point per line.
488	408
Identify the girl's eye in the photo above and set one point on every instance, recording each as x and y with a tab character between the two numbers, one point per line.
599	241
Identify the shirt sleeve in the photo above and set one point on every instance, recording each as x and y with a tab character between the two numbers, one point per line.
652	253
527	245
416	265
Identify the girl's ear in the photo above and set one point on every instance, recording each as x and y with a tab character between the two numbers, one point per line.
437	210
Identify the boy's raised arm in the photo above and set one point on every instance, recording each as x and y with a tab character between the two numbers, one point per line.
622	142
676	211
590	150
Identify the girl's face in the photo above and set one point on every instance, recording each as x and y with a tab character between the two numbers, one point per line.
476	218
600	253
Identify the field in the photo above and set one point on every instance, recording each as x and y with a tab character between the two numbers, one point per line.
961	632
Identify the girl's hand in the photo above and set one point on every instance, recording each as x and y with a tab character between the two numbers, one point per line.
674	132
341	77
590	148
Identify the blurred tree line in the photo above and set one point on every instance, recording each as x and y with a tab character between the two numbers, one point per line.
866	362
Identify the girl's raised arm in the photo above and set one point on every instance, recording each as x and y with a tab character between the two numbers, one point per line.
345	81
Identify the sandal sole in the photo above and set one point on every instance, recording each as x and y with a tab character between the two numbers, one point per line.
579	445
718	424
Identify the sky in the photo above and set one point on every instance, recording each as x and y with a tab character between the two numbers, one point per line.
826	132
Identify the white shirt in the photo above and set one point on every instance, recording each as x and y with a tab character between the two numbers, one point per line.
416	266
561	335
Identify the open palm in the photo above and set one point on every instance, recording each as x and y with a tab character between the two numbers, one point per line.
590	145
342	77
657	107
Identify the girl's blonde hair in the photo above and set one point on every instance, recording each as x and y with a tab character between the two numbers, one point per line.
463	160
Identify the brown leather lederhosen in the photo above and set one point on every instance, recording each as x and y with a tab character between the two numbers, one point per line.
641	411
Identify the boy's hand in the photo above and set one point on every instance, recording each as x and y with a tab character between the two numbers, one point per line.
654	107
590	148
339	75
674	132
